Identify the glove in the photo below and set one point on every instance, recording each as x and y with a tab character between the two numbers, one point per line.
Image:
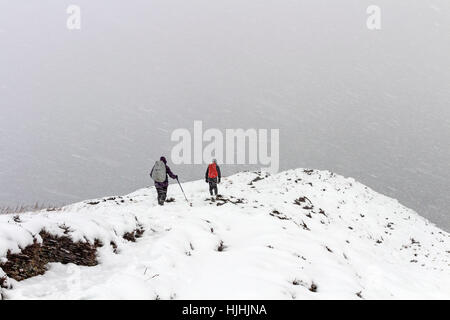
176	177
206	180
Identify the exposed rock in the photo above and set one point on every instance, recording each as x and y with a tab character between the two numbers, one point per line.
313	287
33	259
3	282
135	234
221	247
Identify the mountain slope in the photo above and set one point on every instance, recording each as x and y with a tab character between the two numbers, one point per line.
300	234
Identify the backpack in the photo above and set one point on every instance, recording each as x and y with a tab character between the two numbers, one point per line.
212	171
159	173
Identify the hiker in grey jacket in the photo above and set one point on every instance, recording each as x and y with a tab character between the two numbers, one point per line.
161	186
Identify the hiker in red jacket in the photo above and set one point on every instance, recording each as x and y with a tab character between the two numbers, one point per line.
213	176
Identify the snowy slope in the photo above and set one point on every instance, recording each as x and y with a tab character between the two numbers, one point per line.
300	234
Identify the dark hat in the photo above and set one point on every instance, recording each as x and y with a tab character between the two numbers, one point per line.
163	159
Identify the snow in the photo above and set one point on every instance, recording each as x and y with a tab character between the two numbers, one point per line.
363	243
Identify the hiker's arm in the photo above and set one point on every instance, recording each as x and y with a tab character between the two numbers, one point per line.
206	174
219	175
170	173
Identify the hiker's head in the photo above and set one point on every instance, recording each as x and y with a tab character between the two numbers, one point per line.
214	161
163	159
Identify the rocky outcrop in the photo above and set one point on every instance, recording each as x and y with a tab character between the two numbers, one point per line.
32	260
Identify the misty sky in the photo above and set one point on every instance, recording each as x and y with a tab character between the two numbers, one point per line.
85	113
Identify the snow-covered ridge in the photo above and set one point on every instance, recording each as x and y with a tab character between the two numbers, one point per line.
300	234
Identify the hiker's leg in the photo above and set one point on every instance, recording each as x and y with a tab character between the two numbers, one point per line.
157	194
211	187
214	186
163	195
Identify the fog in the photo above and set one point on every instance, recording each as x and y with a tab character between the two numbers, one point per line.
85	113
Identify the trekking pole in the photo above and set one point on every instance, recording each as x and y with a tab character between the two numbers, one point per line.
184	193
